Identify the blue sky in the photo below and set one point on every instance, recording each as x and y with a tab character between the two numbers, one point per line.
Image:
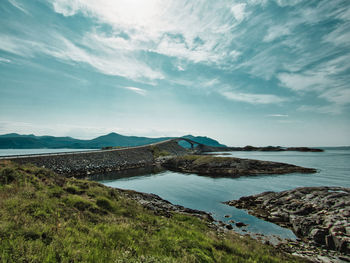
259	72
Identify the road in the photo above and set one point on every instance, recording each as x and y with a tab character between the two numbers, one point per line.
7	157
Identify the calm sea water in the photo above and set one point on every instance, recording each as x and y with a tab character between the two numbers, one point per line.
7	152
207	193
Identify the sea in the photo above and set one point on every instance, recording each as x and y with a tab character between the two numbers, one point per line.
207	193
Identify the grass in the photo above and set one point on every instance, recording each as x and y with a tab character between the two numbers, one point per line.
47	218
157	152
203	159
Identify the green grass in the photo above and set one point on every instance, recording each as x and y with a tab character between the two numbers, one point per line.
47	218
203	159
157	152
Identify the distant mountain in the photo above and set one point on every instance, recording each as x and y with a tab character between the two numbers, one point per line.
204	140
17	141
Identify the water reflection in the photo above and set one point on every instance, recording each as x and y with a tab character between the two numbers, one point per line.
207	193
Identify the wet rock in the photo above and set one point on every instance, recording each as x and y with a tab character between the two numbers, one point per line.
229	226
240	224
317	214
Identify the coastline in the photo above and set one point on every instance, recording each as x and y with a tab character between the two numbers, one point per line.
80	220
317	215
145	199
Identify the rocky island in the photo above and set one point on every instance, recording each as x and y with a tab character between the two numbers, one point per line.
318	215
250	148
229	166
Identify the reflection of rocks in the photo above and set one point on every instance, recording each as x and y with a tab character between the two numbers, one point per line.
319	215
229	166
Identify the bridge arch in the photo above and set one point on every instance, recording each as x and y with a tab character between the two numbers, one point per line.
192	143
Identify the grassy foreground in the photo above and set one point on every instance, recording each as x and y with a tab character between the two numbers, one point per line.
48	218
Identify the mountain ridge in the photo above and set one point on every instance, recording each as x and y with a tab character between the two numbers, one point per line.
31	141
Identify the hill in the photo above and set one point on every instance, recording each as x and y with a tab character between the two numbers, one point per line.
48	218
17	141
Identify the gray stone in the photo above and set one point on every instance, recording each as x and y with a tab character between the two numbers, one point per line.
319	235
318	214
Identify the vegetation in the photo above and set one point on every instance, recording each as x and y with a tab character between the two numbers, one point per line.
48	218
203	159
157	152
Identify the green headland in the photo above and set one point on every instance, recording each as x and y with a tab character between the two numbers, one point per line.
49	218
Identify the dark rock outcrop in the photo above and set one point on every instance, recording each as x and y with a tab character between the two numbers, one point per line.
163	207
229	166
319	215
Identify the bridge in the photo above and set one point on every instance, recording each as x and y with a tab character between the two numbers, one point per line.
85	163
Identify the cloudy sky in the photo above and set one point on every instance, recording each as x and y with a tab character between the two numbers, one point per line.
260	72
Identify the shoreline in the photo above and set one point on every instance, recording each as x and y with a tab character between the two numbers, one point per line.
319	216
67	218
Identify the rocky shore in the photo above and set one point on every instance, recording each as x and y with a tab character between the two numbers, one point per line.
163	207
229	166
320	216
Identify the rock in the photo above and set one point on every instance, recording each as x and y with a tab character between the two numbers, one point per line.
317	214
319	235
229	166
240	224
227	216
229	226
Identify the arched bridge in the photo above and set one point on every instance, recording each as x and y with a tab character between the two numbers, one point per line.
84	163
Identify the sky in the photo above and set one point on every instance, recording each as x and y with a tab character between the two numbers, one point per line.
254	72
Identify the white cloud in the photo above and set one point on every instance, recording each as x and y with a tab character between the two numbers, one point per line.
173	28
277	115
288	2
210	83
304	82
180	68
4	60
344	14
327	109
136	90
263	65
97	53
67	7
339	96
253	98
238	11
275	32
326	80
340	36
18	46
18	5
